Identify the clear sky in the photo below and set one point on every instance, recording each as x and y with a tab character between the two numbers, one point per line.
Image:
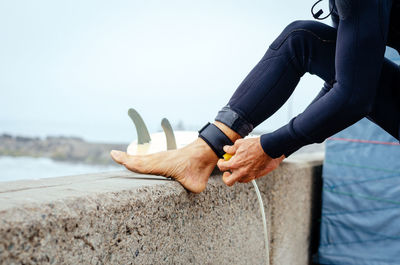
75	67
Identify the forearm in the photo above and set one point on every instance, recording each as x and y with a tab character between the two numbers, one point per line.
326	116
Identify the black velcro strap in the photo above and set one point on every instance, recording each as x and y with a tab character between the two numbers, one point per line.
215	138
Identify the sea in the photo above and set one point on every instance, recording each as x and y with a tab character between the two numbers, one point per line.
21	168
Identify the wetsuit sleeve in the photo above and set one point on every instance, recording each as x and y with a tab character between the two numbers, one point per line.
359	56
334	14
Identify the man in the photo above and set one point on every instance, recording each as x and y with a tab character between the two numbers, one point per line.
359	82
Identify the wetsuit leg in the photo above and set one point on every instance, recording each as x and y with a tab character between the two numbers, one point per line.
303	46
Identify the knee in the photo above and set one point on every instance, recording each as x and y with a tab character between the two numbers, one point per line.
304	33
300	25
298	31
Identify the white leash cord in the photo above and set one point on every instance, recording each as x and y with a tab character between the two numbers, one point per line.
264	221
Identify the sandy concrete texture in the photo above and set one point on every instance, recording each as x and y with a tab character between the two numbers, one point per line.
126	218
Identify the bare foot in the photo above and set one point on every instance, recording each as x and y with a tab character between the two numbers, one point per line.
191	165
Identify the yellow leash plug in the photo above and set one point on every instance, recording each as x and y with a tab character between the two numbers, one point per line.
227	156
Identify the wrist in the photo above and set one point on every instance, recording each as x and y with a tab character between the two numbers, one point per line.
280	142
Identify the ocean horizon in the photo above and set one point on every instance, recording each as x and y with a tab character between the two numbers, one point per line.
31	168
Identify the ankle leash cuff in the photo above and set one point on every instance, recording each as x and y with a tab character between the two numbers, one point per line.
215	138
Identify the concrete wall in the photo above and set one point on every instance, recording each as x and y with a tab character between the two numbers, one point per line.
126	218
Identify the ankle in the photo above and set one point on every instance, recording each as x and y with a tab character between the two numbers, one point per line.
203	152
232	135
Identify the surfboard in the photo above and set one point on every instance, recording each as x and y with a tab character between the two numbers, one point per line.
160	141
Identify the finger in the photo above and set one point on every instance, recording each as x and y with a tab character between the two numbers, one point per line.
230	149
232	178
224	165
225	176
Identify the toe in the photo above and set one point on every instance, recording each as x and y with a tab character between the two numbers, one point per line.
133	163
118	156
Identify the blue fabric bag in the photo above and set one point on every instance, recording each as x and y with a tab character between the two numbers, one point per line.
360	221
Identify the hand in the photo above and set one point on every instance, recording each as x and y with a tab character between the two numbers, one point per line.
248	162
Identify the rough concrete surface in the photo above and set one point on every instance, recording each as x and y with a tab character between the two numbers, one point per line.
126	218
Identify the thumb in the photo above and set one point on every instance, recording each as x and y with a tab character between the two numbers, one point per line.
230	149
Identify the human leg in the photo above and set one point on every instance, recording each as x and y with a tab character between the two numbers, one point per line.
303	46
275	77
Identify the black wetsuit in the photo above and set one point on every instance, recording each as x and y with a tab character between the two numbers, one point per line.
349	57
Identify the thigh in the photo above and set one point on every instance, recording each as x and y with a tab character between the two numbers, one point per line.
303	46
386	109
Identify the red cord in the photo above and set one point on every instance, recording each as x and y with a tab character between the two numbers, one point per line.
361	141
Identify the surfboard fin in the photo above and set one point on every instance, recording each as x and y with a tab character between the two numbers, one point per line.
141	129
169	134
